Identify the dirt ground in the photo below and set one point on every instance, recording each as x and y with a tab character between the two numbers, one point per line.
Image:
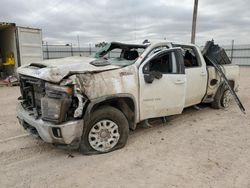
199	148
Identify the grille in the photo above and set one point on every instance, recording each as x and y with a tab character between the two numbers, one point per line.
32	91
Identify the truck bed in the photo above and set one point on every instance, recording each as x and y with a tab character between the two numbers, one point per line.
214	80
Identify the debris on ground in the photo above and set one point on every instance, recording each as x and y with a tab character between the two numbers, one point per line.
70	155
9	81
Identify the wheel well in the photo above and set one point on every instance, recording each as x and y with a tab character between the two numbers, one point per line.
231	83
124	104
223	84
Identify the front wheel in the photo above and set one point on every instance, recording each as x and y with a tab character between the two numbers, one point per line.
106	131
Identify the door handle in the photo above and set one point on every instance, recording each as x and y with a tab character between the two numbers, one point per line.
179	82
203	73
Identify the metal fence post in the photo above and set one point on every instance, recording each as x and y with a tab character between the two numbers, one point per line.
71	48
78	40
89	49
232	51
47	48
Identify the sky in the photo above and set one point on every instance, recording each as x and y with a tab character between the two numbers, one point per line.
95	21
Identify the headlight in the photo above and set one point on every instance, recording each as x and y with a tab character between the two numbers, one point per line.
55	104
55	110
57	91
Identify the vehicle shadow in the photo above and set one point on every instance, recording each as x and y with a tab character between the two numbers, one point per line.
169	121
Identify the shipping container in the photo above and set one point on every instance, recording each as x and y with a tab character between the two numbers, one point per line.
19	46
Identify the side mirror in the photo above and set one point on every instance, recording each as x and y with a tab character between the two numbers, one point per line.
149	77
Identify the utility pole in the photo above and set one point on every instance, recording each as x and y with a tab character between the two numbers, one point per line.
194	21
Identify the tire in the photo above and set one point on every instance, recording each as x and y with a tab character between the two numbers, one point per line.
226	98
221	100
106	131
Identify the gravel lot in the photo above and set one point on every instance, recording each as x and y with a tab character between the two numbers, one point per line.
199	148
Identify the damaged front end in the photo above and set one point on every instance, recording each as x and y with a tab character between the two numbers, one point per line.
52	111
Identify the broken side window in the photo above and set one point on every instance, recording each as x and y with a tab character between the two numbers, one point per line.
190	55
164	64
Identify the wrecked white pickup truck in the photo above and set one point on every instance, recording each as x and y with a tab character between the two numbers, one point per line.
90	103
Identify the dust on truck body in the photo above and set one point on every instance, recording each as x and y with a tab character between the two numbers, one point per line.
90	103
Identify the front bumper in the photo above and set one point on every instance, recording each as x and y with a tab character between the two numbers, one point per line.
70	131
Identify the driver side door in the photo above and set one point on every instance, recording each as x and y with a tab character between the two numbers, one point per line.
163	92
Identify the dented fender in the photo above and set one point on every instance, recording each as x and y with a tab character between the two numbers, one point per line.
103	99
95	85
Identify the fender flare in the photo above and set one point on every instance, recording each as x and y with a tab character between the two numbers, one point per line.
98	100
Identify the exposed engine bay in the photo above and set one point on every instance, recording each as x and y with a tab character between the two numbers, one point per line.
51	102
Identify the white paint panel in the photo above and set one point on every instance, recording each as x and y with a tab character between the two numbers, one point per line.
30	45
162	97
196	85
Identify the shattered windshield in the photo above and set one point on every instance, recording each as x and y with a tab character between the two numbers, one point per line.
118	54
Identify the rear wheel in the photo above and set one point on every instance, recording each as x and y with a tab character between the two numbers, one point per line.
222	98
106	131
226	99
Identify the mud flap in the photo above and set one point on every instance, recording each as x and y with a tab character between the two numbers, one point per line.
216	58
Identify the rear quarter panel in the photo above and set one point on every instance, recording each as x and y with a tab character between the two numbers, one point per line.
232	74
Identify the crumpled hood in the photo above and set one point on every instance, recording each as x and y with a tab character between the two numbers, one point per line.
56	69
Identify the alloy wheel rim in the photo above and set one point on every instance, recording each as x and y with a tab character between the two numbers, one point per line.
226	99
104	135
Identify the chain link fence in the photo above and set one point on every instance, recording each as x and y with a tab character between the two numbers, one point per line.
239	54
60	51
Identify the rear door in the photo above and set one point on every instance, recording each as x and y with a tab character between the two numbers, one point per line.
196	72
29	44
164	95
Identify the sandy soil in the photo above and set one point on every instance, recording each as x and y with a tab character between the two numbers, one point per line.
200	148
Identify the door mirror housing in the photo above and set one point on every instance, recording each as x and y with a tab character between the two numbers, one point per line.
149	77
